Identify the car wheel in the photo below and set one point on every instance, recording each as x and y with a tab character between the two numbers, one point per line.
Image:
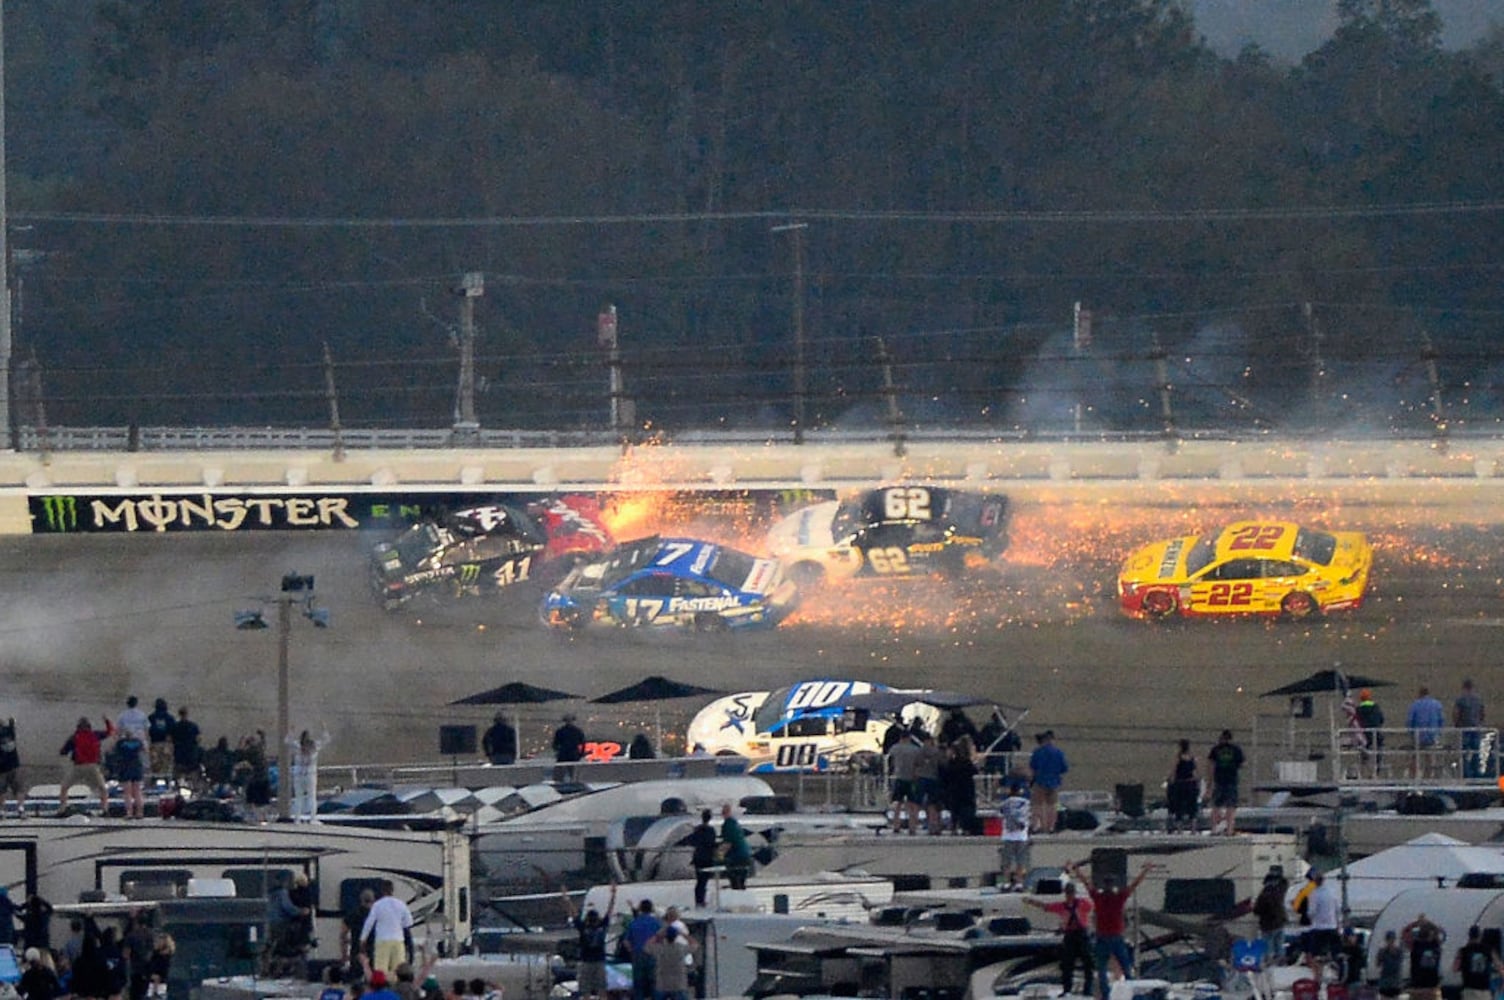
1298	604
1160	603
807	574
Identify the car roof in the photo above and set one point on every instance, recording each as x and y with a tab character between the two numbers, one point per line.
873	503
1256	540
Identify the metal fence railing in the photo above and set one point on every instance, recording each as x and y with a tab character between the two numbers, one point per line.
1288	753
29	438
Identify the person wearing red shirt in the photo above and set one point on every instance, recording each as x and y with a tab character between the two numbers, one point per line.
1075	940
83	749
1109	901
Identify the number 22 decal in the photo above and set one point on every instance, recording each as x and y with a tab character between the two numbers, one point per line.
1224	595
1256	536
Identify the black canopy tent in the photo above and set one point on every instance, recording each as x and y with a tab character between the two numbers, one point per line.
657	690
517	693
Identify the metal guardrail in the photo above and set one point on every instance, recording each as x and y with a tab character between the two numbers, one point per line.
152	439
149	439
1389	756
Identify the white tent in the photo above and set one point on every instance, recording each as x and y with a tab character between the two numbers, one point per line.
1429	861
1453	910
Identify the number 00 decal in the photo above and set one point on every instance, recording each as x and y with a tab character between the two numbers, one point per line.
797	755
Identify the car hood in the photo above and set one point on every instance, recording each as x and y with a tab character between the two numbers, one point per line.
1353	552
808	527
1160	561
726	723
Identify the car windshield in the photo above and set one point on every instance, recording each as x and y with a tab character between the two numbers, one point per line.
1200	554
770	713
622	562
416	543
731	568
1316	546
847	519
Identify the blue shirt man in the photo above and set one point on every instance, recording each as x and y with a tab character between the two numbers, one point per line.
1047	768
1425	719
639	932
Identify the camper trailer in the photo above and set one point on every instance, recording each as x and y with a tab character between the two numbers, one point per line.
73	860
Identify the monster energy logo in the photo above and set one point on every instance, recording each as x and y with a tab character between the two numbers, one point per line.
470	572
60	513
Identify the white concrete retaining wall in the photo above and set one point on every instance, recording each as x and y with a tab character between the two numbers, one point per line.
1471	471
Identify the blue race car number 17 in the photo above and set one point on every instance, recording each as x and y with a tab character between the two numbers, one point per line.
644	609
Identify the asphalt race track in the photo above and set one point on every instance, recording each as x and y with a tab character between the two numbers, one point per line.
88	619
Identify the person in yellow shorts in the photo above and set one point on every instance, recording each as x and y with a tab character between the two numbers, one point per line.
387	926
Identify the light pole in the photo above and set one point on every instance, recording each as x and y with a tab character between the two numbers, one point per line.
296	591
466	426
798	228
5	331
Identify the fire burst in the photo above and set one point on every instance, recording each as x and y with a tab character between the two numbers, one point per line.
1062	560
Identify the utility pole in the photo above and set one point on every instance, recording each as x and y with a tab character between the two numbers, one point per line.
605	336
284	696
797	229
329	390
44	446
1318	363
466	427
1162	374
890	393
5	331
1080	341
1429	354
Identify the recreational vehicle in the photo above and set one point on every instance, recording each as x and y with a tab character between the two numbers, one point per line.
73	860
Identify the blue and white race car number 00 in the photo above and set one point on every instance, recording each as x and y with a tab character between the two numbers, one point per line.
816	694
798	755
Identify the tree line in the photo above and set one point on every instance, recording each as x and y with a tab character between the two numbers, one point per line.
264	179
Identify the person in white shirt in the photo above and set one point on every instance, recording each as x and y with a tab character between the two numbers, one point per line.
1323	938
305	774
387	925
133	720
1014	850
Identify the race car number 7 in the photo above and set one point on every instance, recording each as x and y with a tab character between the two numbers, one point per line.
1256	536
672	551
